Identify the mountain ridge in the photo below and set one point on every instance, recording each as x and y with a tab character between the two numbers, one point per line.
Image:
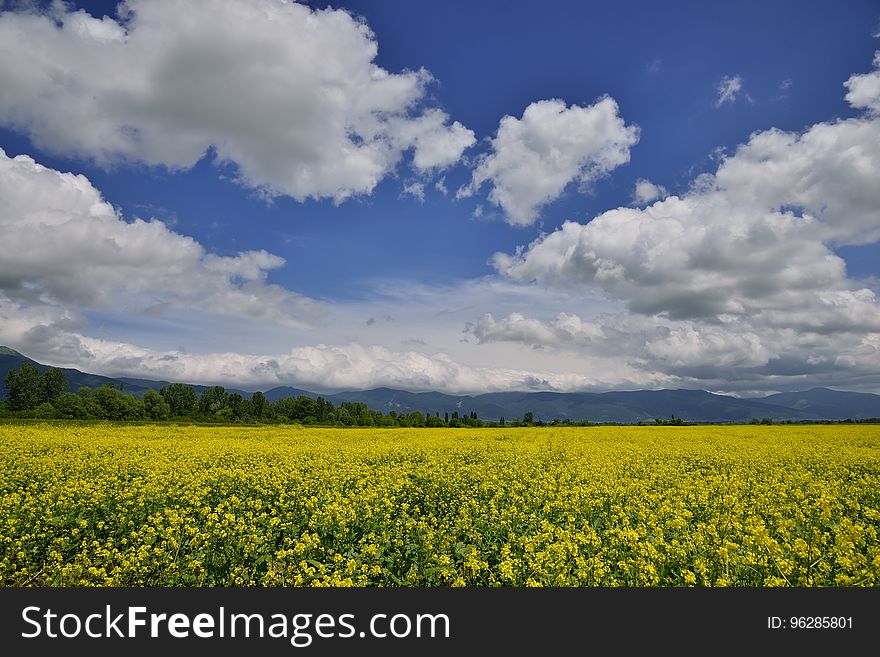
614	406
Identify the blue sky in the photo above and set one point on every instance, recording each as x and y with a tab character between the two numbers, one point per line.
381	286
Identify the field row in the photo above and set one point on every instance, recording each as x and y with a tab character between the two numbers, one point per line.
598	506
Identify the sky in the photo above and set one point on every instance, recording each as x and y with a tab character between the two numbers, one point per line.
459	196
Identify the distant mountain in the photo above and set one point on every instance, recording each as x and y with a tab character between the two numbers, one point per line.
624	406
142	385
829	403
641	405
627	406
283	392
401	401
11	359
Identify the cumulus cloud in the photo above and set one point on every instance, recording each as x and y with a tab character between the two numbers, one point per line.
646	191
291	96
62	244
743	263
753	237
436	144
728	88
864	90
535	157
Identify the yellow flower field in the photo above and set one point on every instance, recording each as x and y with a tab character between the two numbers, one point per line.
84	505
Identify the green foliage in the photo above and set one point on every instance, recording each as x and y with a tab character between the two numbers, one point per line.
155	406
69	407
44	410
671	422
22	388
181	399
259	405
213	400
116	405
52	384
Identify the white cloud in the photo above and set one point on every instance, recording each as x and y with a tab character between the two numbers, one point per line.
344	366
62	244
290	95
69	263
752	238
416	190
437	145
733	285
732	355
565	330
864	90
646	191
440	186
728	88
742	264
654	343
534	158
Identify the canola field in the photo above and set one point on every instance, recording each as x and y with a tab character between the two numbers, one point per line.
95	505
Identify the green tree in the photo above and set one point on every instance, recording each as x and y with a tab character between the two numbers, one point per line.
22	388
259	405
69	406
155	406
324	410
45	410
236	402
182	400
88	407
529	418
116	405
343	416
300	409
434	421
52	384
213	400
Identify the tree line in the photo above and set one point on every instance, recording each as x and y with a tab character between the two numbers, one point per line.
31	394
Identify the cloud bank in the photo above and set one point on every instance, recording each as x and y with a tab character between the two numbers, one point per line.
290	96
